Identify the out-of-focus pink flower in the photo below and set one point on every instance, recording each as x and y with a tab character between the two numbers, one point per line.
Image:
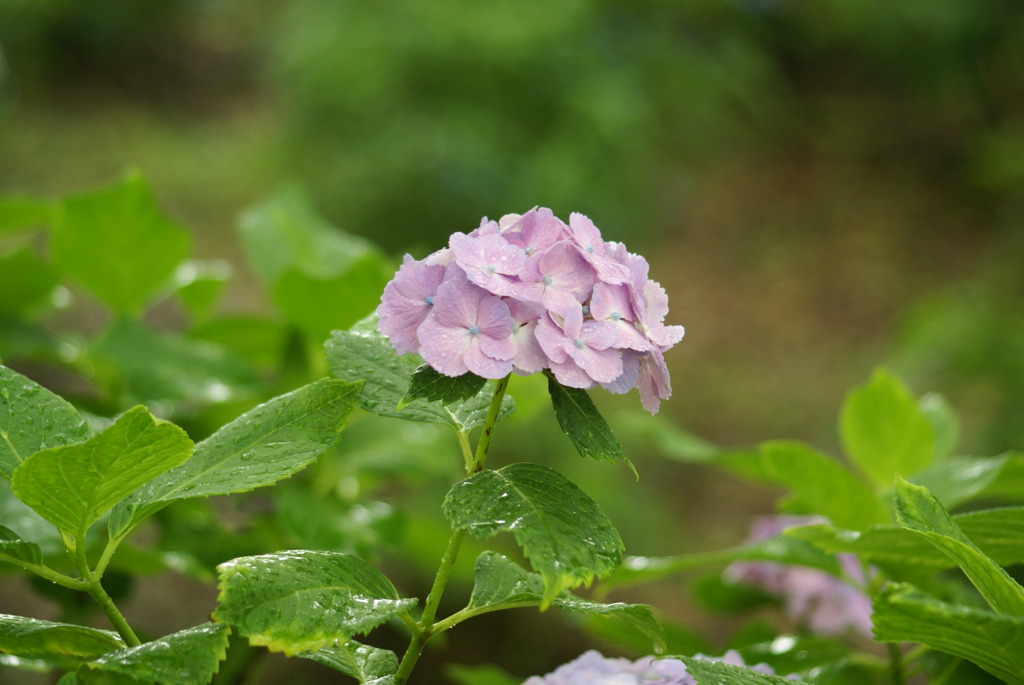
592	668
528	293
823	603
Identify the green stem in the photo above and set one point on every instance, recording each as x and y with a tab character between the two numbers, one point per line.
100	596
492	417
426	627
896	664
48	573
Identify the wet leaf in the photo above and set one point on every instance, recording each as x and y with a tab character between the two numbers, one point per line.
188	657
259	448
580	420
14	548
31	638
562	531
428	384
708	672
362	662
301	601
72	486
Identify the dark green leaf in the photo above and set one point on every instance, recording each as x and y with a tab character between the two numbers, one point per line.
821	485
884	430
26	283
993	641
159	366
34	639
428	384
365	354
73	486
580	420
362	662
33	419
188	657
500	583
304	601
14	548
562	531
919	511
118	243
259	448
708	672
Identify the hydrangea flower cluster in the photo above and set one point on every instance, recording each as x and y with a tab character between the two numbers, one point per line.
594	669
527	293
823	603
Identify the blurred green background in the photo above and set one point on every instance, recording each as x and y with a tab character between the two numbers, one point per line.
822	187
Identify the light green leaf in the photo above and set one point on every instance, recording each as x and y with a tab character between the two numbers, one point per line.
994	642
159	366
708	672
999	533
31	638
579	419
957	480
259	448
26	282
33	419
23	213
919	511
287	232
73	486
563	533
944	421
365	354
188	657
12	547
821	485
480	674
118	243
320	304
362	662
301	601
199	285
1008	486
432	386
500	583
884	431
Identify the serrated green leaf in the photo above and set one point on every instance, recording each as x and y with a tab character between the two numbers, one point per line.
579	419
821	485
301	601
188	657
118	243
159	366
993	641
884	431
33	419
500	583
31	638
259	448
26	282
563	533
957	480
709	672
918	510
362	662
432	386
23	213
72	486
12	547
362	353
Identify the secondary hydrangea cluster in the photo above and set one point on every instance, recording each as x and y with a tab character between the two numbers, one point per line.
530	292
592	668
823	603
